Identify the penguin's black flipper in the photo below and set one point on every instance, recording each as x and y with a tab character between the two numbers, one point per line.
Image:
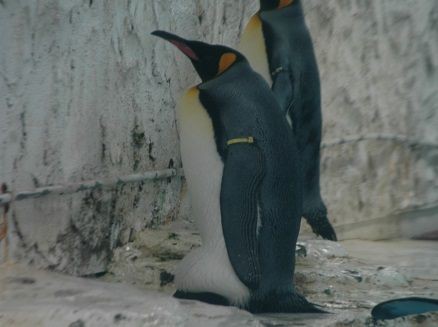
403	307
242	174
283	88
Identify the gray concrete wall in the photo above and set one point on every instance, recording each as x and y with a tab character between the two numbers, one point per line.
86	93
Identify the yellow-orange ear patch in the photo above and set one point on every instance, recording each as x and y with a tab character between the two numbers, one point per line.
227	59
254	23
284	3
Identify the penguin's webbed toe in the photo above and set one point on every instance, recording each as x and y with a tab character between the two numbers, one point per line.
281	302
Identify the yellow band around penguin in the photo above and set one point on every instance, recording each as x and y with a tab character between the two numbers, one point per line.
237	140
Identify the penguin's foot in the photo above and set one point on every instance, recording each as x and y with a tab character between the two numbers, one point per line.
281	302
322	227
206	297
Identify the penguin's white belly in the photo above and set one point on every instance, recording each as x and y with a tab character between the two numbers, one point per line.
252	45
207	269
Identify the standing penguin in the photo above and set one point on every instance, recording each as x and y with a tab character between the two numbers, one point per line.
237	152
278	45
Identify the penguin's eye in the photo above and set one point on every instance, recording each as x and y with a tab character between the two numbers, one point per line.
284	3
226	60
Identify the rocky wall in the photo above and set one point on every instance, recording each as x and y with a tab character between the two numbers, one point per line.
379	70
86	93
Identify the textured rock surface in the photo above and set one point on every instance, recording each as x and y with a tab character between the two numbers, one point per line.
87	93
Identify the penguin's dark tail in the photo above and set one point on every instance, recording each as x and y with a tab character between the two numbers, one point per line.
324	229
403	307
281	302
320	224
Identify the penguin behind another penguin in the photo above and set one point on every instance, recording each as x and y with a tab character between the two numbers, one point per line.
278	45
238	158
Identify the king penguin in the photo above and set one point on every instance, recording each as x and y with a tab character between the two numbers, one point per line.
278	45
237	153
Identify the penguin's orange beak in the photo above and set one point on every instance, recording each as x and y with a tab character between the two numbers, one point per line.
182	44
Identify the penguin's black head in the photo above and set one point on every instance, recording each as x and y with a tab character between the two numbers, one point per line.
275	4
209	60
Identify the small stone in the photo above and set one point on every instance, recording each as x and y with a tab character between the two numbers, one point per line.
300	250
119	317
23	280
173	236
325	249
328	291
77	323
388	277
166	278
353	273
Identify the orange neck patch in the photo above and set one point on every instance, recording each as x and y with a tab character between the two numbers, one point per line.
227	59
284	3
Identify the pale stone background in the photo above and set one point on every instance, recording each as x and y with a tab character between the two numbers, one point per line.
86	93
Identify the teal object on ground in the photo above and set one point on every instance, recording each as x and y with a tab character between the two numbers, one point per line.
403	307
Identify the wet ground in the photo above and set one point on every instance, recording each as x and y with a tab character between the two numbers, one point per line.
346	278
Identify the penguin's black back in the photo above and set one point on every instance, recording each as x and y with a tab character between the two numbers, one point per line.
241	103
263	176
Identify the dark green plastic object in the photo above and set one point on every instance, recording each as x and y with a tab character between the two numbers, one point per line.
403	307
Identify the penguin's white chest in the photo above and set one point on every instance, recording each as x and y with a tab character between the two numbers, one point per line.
206	269
202	164
252	45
